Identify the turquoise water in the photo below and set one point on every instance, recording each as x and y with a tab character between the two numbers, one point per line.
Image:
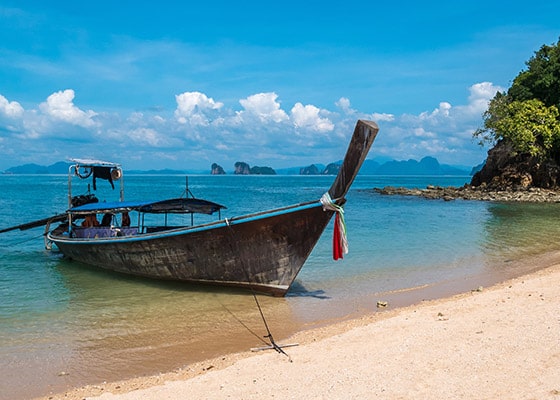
64	324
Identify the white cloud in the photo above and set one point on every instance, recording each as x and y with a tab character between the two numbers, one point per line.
422	133
441	111
444	133
195	107
344	104
382	117
481	94
146	136
10	109
264	106
309	117
60	107
259	131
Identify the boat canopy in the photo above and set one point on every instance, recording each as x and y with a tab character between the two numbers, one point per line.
87	162
172	206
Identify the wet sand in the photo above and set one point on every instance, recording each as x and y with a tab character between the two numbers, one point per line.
486	343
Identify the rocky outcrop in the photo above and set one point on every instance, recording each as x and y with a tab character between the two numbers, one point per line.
506	170
262	171
506	176
468	192
242	168
217	170
331	169
310	170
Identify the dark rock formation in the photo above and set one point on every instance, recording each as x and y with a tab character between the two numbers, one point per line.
217	170
476	193
506	176
331	169
242	168
262	171
506	170
310	170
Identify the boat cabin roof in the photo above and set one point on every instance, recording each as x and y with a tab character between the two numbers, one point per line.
87	162
172	206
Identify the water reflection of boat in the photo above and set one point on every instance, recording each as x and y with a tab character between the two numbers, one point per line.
263	251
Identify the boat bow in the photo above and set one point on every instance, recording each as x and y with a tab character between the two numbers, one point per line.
362	139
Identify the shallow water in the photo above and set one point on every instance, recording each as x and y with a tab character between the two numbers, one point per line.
65	324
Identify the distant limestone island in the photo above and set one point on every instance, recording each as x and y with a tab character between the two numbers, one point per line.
242	168
425	167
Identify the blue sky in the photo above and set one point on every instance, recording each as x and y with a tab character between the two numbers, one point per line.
179	85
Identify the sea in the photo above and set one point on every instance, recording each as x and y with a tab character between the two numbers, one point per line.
65	324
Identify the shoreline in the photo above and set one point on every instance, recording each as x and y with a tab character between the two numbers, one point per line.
386	333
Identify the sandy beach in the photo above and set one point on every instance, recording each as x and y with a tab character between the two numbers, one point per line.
501	342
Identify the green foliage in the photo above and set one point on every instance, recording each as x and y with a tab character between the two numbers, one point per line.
531	126
527	115
542	78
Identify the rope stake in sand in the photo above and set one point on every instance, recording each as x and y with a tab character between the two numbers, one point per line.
340	241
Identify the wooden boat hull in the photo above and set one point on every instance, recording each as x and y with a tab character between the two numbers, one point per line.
264	251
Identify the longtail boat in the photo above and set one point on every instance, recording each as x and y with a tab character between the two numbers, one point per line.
263	251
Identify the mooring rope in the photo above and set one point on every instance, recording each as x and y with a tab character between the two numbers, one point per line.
4	244
340	241
269	336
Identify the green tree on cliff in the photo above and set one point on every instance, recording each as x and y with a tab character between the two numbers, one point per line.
527	114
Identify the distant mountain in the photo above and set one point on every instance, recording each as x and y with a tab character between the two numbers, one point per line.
426	166
377	166
385	166
60	167
166	171
369	167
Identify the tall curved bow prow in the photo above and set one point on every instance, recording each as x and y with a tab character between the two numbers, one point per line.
362	139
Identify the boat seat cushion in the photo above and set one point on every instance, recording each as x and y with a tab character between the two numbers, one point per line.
101	232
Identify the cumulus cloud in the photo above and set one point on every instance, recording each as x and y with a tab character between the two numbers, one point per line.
481	94
10	109
195	108
445	132
60	106
258	128
264	106
441	111
344	104
146	136
309	117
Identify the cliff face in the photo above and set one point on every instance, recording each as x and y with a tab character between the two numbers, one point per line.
242	168
217	170
262	171
506	170
331	169
310	170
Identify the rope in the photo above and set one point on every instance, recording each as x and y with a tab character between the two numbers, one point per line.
340	241
6	245
273	344
242	323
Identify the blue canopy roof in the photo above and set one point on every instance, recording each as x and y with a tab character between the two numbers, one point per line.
109	206
179	205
